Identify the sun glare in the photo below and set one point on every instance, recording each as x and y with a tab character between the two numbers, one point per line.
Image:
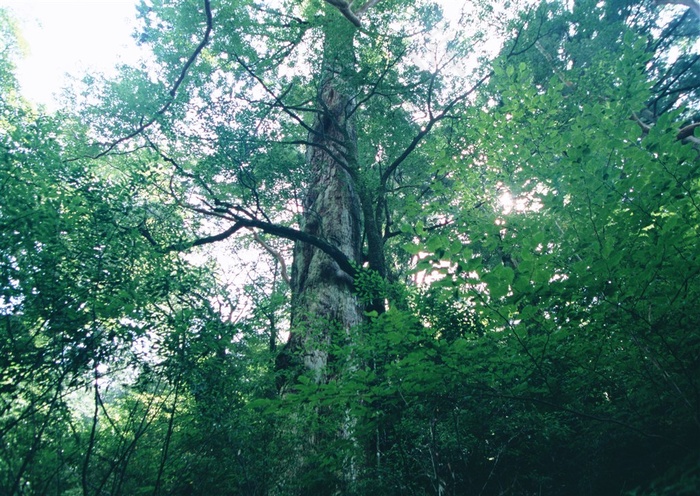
526	202
73	37
505	201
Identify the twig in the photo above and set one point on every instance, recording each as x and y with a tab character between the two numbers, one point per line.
276	254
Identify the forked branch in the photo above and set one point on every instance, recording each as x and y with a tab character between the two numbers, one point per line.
427	127
276	255
345	8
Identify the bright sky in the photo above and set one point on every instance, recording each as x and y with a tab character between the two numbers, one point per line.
71	36
78	36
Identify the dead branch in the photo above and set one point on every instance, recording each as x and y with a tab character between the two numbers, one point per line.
344	8
276	255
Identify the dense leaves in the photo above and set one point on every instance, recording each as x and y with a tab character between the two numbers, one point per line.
531	276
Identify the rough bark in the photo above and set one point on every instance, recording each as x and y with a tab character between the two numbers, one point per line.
322	292
323	301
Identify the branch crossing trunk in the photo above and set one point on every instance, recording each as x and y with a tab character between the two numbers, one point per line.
322	293
324	306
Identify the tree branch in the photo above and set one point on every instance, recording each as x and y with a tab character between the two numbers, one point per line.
143	230
374	86
685	134
428	127
275	229
295	235
278	99
645	127
173	91
687	131
344	9
691	4
276	255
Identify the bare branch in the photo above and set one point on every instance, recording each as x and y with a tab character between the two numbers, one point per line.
287	109
667	88
344	9
198	50
276	255
217	237
180	168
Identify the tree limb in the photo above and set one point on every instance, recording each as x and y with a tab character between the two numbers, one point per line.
289	233
687	131
143	230
278	99
344	8
276	255
143	125
428	127
685	134
295	235
645	127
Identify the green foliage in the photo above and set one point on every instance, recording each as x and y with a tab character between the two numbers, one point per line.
97	326
543	275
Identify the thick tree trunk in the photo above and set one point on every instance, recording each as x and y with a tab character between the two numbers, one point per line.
339	206
323	301
322	293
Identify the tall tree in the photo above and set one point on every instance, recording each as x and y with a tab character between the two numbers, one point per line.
546	198
303	121
322	292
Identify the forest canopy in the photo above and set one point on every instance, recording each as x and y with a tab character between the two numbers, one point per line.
381	247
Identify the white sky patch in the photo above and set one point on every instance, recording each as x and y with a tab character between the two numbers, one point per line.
71	37
74	37
527	202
